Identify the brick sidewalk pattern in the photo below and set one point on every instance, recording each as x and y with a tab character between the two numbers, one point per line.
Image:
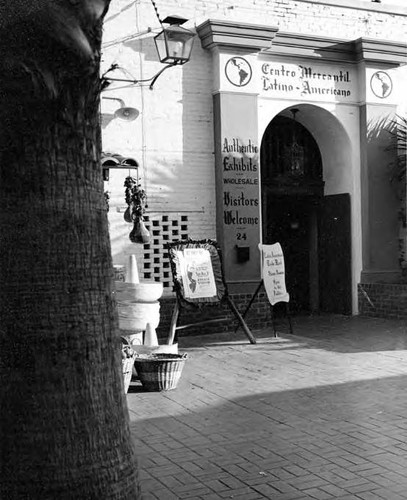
320	414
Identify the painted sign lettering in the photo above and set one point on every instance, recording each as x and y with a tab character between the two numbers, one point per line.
240	197
234	146
274	273
303	81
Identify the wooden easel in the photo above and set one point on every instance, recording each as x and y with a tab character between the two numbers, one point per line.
176	316
272	262
287	308
221	296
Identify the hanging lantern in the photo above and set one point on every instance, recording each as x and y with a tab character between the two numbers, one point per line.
174	46
174	43
294	153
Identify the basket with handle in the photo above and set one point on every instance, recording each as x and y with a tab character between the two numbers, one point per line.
128	357
159	371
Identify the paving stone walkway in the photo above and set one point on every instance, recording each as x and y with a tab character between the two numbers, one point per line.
320	414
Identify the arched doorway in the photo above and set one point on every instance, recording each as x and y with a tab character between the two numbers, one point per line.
313	229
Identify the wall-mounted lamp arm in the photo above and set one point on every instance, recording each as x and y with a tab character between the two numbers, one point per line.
174	46
153	79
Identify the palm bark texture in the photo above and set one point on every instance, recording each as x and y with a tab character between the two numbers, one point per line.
64	429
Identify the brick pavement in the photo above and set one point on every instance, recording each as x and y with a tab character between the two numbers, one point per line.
321	414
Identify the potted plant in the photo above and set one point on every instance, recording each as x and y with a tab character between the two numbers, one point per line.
398	177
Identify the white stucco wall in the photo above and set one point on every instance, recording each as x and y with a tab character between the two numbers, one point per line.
172	138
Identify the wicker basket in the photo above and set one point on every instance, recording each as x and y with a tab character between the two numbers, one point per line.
127	367
159	371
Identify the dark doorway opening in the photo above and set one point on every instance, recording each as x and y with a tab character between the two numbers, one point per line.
313	229
334	247
288	224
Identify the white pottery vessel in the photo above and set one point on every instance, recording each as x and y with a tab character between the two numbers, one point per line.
146	291
136	315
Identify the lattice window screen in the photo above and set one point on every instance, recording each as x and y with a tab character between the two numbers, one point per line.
163	228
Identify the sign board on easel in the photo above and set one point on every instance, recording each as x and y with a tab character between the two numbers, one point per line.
273	270
198	281
196	273
273	280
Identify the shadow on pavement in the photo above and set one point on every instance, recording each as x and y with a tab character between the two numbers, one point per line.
315	442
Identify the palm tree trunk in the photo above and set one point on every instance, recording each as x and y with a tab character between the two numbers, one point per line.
64	430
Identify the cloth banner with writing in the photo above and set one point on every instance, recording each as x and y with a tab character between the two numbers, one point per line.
274	273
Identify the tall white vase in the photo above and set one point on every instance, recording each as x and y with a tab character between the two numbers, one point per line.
138	305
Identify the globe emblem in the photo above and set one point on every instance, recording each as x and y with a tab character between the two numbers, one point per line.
238	71
381	84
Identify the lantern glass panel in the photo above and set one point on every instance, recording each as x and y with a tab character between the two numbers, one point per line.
174	45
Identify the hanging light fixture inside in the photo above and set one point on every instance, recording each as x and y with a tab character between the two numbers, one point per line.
294	152
174	46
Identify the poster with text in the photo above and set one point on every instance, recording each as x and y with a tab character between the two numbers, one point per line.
274	273
197	273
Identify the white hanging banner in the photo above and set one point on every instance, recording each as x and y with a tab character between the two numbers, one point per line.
273	273
197	273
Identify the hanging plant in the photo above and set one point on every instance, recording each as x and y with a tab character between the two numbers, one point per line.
136	199
107	198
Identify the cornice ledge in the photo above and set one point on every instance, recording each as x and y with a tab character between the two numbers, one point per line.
381	51
388	52
229	34
312	47
254	38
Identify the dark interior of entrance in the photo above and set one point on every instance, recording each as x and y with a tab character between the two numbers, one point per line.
313	229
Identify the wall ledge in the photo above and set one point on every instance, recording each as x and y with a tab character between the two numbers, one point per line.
229	34
247	37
